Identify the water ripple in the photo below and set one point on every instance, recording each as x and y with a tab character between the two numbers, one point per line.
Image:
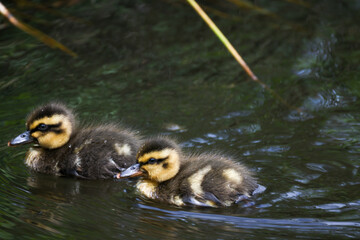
295	224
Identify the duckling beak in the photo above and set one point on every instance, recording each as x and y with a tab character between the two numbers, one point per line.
132	171
23	138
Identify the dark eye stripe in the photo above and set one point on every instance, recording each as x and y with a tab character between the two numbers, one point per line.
157	161
56	130
49	128
42	127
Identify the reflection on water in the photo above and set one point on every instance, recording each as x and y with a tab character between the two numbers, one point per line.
156	67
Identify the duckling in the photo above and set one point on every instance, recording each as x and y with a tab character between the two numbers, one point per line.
210	180
61	148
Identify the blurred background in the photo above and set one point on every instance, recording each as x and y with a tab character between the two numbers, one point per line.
156	67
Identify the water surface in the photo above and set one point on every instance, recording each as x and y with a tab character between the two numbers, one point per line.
155	66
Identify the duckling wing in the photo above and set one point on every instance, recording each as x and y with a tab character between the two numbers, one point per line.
73	173
207	200
110	168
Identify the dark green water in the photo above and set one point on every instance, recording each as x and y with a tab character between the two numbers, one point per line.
155	66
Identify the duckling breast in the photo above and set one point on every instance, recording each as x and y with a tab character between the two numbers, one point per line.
148	188
43	161
33	158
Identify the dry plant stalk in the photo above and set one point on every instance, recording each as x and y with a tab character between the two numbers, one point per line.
34	32
235	54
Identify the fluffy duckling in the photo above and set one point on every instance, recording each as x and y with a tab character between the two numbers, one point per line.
60	148
210	180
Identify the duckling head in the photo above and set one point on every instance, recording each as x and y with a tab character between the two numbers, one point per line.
157	160
49	126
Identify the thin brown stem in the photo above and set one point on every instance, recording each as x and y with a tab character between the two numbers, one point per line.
34	32
235	54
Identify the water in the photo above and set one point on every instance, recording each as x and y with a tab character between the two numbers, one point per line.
156	67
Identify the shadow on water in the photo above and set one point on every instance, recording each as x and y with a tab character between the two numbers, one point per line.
156	67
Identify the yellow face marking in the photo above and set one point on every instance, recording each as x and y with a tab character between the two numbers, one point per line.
54	119
157	172
196	179
36	134
122	149
156	154
232	175
51	139
147	188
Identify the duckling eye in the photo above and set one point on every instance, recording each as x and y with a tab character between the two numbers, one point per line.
152	160
42	127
